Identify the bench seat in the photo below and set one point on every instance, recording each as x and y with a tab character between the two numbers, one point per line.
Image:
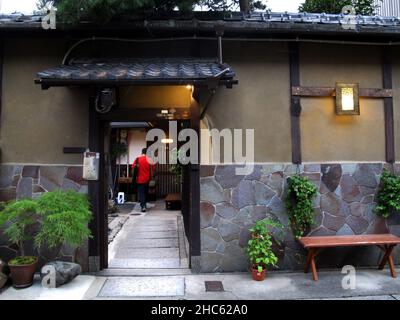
386	242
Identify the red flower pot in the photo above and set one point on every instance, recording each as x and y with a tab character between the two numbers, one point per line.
258	276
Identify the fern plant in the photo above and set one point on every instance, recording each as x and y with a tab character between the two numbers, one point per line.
17	217
64	218
388	197
299	200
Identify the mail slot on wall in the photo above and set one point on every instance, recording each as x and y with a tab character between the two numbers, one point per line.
91	161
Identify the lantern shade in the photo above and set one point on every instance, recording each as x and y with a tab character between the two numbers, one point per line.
347	99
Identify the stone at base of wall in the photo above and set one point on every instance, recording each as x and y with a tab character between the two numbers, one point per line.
231	204
94	263
195	264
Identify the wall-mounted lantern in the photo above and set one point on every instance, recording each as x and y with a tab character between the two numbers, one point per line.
347	99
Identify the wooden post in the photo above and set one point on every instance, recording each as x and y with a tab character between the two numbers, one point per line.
94	190
295	107
388	107
194	220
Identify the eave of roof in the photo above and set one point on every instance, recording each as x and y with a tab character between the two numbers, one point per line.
255	24
176	71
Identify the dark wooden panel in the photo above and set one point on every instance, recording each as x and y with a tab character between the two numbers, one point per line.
195	248
74	150
388	107
1	75
142	114
295	106
94	186
330	91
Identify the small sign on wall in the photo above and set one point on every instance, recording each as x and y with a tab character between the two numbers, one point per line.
91	161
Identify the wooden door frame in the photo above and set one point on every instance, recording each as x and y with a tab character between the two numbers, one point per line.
98	244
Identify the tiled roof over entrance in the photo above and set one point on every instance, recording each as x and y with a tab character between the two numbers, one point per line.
154	71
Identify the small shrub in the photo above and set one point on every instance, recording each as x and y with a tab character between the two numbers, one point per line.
299	201
17	217
65	217
388	197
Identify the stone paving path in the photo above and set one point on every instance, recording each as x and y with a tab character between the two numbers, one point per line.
150	240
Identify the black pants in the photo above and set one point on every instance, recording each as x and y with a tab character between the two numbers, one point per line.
142	193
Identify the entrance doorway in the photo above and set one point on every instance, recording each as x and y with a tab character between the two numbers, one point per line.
99	140
154	239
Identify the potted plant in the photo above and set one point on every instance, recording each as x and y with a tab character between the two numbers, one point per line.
299	204
64	219
259	248
19	219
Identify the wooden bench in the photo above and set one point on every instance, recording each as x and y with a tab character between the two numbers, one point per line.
386	242
173	201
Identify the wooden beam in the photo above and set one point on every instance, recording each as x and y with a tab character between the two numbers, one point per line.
330	92
194	221
295	107
143	114
1	75
388	107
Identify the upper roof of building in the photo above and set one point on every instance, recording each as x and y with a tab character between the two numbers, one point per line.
232	22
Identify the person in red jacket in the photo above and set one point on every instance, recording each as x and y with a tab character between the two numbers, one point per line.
143	176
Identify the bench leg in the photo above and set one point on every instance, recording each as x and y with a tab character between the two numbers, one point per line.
387	257
308	261
312	253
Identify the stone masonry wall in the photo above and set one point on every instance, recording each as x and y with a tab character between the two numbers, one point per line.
30	181
231	204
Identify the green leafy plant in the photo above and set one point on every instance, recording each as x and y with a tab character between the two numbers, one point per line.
364	7
17	217
299	200
388	197
19	261
103	11
259	245
177	168
118	150
64	218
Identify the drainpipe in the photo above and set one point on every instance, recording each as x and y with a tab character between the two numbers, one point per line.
219	32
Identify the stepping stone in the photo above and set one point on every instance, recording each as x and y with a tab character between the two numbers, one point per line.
166	263
147	253
152	243
143	287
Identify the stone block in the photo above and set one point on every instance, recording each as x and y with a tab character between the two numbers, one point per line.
24	188
65	271
211	191
358	224
210	261
207	171
332	222
350	190
210	239
262	193
7	173
331	174
226	210
226	176
365	175
207	211
30	172
228	230
51	177
243	195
